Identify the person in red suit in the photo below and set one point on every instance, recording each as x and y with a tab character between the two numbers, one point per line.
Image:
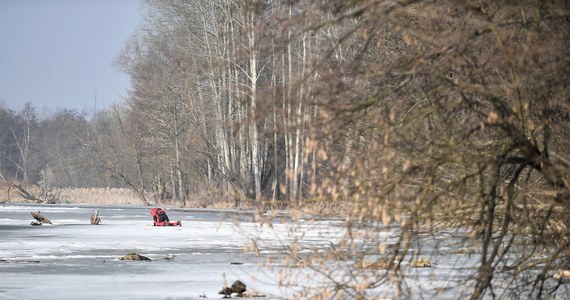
160	218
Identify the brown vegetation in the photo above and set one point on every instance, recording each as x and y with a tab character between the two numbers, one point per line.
421	263
381	264
420	115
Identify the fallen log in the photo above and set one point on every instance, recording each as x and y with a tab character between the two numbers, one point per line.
4	261
170	257
95	219
21	190
134	256
41	219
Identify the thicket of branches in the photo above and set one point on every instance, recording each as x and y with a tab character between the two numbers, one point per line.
451	113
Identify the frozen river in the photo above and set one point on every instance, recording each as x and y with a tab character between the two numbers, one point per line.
72	259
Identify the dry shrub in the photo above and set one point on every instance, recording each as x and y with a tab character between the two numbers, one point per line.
464	251
211	198
104	196
381	264
325	208
210	203
423	262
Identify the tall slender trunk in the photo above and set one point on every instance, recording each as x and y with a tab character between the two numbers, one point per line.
287	111
253	131
181	195
275	183
299	123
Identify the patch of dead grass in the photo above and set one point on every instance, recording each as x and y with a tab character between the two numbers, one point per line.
422	262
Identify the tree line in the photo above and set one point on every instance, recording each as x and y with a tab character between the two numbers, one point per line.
30	144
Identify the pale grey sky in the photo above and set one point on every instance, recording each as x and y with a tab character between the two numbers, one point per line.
59	53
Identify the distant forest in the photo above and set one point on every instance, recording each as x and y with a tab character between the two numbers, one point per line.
31	145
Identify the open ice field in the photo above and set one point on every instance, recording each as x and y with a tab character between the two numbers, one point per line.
72	259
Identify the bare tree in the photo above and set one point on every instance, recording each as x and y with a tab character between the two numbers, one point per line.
118	150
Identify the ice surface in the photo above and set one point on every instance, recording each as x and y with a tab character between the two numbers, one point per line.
72	259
